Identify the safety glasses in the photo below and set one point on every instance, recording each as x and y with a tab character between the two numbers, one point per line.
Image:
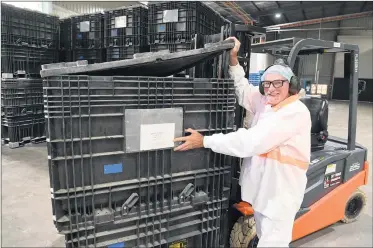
275	83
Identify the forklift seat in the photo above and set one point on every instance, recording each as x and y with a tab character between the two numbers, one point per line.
318	108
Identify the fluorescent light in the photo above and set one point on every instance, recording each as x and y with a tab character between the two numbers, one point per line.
278	15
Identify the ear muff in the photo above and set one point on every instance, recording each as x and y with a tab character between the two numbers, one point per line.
294	85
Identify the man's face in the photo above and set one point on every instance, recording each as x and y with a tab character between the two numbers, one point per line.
276	95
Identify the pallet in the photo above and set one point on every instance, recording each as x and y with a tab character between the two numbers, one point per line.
25	141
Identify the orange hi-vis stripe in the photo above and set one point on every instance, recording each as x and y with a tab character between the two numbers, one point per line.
284	159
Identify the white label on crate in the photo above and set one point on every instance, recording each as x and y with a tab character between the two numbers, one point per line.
121	22
49	157
330	169
337	44
84	26
157	136
171	15
54	218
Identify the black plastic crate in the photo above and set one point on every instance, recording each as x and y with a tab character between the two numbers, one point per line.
181	47
202	70
139	198
99	182
126	27
28	59
24	41
22	111
204	226
31	27
87	31
65	34
92	55
148	64
17	129
178	22
119	53
65	53
21	92
86	115
172	47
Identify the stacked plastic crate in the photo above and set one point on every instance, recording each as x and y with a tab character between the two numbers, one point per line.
65	53
125	32
115	179
83	38
28	40
22	111
173	26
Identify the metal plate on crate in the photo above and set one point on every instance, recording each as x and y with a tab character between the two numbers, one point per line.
152	129
154	64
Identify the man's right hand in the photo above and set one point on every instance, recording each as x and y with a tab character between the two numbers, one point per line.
234	51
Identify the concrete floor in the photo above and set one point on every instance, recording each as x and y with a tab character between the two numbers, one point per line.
26	205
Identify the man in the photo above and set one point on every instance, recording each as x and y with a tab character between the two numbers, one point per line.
276	149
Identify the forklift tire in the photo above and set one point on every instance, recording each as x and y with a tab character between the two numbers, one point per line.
354	206
243	234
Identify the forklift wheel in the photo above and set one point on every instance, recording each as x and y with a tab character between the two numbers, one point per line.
354	206
243	234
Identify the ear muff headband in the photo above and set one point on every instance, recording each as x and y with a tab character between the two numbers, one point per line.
294	85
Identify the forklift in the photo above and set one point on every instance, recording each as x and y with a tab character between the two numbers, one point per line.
338	167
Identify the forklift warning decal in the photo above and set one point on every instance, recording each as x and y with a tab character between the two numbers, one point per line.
317	160
332	180
330	169
354	166
179	244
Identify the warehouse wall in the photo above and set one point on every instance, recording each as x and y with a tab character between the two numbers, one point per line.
360	22
65	9
328	67
365	44
308	65
362	38
27	5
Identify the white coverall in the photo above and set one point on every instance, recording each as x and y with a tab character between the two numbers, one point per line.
276	151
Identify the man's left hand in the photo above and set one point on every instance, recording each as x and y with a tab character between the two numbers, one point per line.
193	141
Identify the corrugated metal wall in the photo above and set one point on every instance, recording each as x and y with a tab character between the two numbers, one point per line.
65	9
361	22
